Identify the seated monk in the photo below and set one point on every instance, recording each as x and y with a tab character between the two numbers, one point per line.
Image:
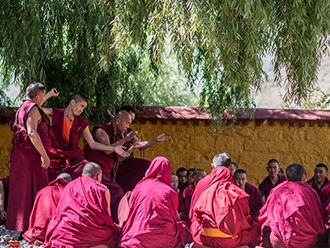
221	213
131	170
292	215
66	129
255	202
273	168
152	219
320	180
44	209
188	192
82	217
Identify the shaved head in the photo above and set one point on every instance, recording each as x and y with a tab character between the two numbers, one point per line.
66	176
197	172
34	89
122	120
295	172
92	169
122	115
78	98
221	159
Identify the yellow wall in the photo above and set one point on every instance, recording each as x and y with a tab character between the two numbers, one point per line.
250	146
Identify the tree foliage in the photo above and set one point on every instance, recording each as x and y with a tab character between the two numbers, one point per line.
115	52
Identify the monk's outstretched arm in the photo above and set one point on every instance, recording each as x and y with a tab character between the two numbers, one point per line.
160	138
3	214
101	147
51	93
31	126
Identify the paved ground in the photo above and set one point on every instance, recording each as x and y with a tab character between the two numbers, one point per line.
7	235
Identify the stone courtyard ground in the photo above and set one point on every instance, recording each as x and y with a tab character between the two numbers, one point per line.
6	236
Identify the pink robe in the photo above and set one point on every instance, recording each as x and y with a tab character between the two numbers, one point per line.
152	219
266	186
187	195
43	210
27	176
66	157
256	201
223	206
106	162
293	214
82	218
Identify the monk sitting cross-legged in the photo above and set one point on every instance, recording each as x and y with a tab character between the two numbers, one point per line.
222	214
152	219
292	215
44	209
82	217
67	126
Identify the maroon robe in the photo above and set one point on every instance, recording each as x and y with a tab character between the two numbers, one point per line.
187	195
152	219
255	202
5	183
221	213
82	218
64	156
131	170
266	185
325	193
27	176
43	210
312	183
292	216
106	162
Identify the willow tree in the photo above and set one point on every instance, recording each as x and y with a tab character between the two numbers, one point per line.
101	47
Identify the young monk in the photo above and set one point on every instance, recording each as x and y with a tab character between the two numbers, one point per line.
44	209
131	170
255	202
175	185
292	215
188	192
221	213
152	219
183	180
29	157
82	217
67	127
111	134
320	178
273	179
190	179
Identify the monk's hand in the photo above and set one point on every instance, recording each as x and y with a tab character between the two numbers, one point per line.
140	144
163	137
131	135
109	113
120	151
45	162
3	215
53	92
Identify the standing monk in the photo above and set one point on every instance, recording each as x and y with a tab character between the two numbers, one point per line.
111	134
152	219
221	213
255	202
273	168
82	217
29	158
44	209
67	126
292	215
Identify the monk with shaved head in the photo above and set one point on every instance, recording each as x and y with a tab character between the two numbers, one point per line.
82	217
44	209
67	127
113	134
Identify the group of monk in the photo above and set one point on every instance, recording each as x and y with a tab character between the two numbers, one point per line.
102	196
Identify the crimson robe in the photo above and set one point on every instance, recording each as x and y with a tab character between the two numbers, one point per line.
266	185
293	214
152	219
64	156
27	176
5	183
106	162
82	218
43	210
256	201
187	195
325	193
312	183
222	213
